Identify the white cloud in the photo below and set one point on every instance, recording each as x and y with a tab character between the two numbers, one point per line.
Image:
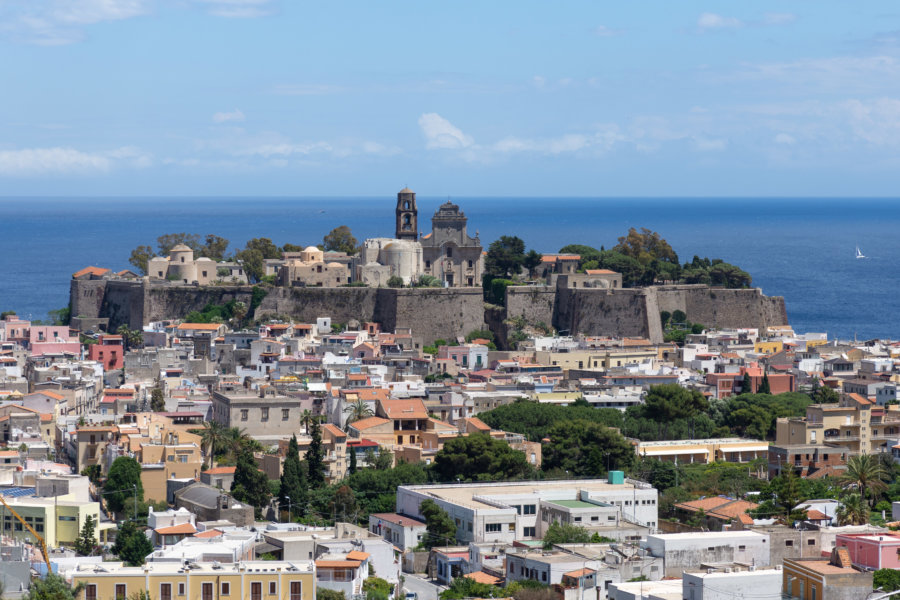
239	9
714	21
49	161
224	117
785	139
604	31
59	22
876	121
441	133
709	145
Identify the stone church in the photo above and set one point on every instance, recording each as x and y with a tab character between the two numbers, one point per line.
450	254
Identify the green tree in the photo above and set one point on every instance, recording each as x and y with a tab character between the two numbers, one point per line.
428	281
87	539
214	248
376	588
132	545
52	587
358	410
265	247
886	579
532	419
764	387
306	417
344	507
214	439
852	511
140	258
645	246
395	282
293	480
315	456
351	469
60	316
440	530
326	594
253	263
585	449
505	256
340	239
532	261
565	533
157	400
122	483
479	457
825	395
866	474
669	402
464	587
166	242
250	485
746	384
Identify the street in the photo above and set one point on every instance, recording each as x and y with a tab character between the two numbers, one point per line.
421	586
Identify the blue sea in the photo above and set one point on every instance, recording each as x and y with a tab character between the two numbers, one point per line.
802	249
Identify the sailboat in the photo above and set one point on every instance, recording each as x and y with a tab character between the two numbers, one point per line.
859	253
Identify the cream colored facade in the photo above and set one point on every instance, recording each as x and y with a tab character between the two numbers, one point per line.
311	270
599	360
58	520
863	429
181	266
382	258
735	450
250	580
173	454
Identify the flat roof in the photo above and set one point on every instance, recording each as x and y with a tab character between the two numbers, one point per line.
573	503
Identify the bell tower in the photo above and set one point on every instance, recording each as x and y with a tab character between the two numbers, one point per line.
407	216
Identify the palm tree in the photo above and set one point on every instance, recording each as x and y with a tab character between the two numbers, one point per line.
866	474
852	510
358	410
213	437
306	418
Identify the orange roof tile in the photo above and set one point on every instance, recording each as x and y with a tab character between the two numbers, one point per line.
98	271
337	564
368	423
200	326
209	533
334	430
185	528
816	515
580	572
482	577
412	408
357	555
600	272
220	471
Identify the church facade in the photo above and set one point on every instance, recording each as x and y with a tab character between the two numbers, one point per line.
449	252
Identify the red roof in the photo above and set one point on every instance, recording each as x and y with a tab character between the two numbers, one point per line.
90	271
183	528
220	471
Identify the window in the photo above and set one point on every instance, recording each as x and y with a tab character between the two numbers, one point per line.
285	414
244	414
256	590
181	589
427	264
530	532
265	414
811	542
742	548
296	590
171	458
226	589
449	252
788	543
206	591
204	273
121	591
90	591
544	576
273	588
492	528
470	264
165	591
183	458
529	509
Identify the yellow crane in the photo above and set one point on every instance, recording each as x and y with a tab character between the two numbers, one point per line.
37	536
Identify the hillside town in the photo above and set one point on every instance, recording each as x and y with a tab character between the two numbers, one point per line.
227	453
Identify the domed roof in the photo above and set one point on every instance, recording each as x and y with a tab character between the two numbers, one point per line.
311	249
406	190
333	264
181	248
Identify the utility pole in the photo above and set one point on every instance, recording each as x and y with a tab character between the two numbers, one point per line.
135	502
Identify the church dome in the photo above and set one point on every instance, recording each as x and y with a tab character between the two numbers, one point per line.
406	190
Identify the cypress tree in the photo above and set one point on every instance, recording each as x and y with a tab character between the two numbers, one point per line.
747	384
352	468
315	456
293	481
764	386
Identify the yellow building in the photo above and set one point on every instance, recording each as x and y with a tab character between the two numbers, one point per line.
172	454
58	520
768	347
595	360
250	580
856	423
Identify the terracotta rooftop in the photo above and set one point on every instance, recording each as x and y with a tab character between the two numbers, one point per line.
401	520
368	423
199	326
183	528
221	471
90	271
482	577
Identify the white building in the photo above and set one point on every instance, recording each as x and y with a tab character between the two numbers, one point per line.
683	551
505	512
733	583
383	258
404	532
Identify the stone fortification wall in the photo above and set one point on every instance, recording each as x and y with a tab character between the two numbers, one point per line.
441	313
532	303
719	307
618	313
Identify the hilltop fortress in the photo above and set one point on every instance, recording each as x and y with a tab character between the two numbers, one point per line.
592	303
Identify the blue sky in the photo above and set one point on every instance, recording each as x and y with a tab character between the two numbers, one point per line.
285	97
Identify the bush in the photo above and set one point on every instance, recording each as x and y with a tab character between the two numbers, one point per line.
395	281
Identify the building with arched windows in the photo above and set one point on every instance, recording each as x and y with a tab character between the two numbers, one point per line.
450	254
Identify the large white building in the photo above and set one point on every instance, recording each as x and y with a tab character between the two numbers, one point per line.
509	511
683	551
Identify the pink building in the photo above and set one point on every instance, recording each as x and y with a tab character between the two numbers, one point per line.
468	356
51	339
872	550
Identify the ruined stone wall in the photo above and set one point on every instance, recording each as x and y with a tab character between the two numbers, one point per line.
719	307
125	303
86	297
435	313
